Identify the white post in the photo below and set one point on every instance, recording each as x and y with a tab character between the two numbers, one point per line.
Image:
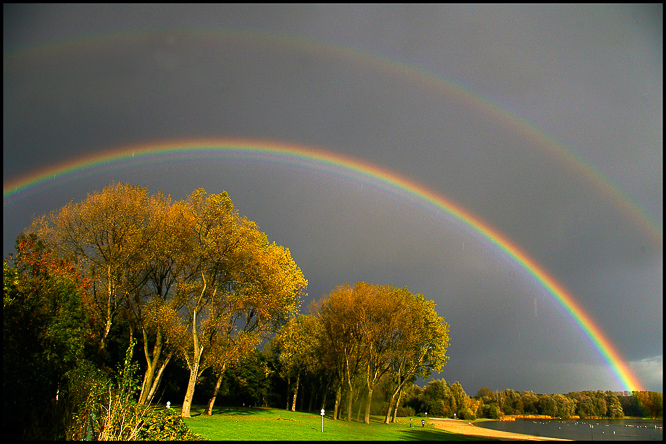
322	420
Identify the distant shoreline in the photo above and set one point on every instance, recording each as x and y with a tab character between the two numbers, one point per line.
514	417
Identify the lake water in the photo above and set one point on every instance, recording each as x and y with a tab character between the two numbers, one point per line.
586	429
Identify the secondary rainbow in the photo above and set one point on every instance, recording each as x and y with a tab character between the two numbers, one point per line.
454	90
318	159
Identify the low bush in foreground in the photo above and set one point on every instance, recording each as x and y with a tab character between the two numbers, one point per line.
166	425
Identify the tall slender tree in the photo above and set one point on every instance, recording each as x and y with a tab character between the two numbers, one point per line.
237	281
296	345
380	309
422	349
342	337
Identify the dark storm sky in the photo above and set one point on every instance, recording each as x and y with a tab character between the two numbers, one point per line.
82	79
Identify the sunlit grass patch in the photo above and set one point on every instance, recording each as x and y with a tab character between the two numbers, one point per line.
263	424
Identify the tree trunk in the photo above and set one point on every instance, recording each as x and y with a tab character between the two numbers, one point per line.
189	394
397	404
389	410
109	312
359	408
194	370
366	419
196	359
350	398
288	391
151	364
298	379
158	379
211	401
393	402
338	399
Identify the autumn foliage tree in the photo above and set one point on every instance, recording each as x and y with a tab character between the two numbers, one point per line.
109	235
371	331
296	348
423	345
46	332
155	308
266	291
189	277
341	340
236	281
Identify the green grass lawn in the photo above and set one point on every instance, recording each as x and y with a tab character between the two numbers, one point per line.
263	424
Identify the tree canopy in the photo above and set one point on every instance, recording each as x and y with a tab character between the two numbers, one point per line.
193	282
192	277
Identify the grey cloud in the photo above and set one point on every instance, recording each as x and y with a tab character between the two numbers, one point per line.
587	75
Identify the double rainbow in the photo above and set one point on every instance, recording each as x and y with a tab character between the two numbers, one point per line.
308	157
317	159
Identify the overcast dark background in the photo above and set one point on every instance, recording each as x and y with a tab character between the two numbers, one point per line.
385	84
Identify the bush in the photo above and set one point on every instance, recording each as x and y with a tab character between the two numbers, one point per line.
108	411
405	411
488	411
466	414
166	425
436	408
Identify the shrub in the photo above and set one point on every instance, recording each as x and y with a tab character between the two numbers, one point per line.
109	411
165	425
493	411
466	414
104	410
405	411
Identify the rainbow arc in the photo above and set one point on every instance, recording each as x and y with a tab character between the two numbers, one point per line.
317	159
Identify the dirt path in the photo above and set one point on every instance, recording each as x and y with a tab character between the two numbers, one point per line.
466	428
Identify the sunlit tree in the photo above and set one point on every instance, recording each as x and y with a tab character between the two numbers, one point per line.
237	281
614	406
341	339
530	402
296	346
461	398
379	310
548	406
108	236
153	307
424	339
566	407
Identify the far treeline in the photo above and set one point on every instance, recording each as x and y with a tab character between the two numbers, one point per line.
441	399
208	301
115	304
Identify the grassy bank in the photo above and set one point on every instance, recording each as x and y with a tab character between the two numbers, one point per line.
252	424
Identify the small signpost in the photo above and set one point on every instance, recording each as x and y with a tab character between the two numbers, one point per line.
322	420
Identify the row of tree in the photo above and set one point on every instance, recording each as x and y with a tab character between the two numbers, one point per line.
194	283
357	335
191	280
441	399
